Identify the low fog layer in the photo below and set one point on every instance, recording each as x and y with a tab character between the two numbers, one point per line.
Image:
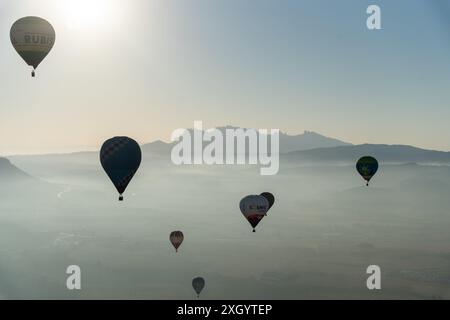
325	228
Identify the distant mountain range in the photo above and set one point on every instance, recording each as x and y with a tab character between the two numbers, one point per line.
311	147
382	152
307	140
307	148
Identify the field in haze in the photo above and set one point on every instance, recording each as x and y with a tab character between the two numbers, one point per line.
325	228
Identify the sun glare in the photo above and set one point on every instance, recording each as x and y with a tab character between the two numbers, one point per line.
81	14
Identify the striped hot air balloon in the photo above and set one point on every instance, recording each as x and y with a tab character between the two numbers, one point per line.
33	38
176	238
254	208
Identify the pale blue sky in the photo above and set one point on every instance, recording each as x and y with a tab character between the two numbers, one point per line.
145	68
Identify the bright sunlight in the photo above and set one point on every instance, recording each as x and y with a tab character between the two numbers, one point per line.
86	14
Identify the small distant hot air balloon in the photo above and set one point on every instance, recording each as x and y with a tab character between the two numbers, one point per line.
254	208
270	197
198	284
33	38
367	167
120	158
176	237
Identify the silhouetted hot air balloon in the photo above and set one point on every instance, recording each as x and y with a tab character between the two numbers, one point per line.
120	158
176	237
254	208
269	198
33	38
367	167
198	284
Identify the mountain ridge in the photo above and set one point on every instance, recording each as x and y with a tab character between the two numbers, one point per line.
308	147
396	153
303	141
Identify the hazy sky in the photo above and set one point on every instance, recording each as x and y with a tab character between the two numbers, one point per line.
143	68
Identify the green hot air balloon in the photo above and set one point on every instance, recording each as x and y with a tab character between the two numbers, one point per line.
33	38
367	167
270	197
198	284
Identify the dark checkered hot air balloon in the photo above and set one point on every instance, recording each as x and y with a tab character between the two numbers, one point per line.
367	167
120	158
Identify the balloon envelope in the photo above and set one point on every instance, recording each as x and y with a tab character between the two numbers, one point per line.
176	238
33	38
198	284
254	208
270	197
367	167
120	158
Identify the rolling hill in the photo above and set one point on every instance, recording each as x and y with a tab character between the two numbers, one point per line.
10	173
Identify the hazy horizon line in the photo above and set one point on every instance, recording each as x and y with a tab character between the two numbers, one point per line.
97	149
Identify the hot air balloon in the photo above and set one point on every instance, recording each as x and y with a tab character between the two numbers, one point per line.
269	198
120	158
198	284
33	38
254	208
367	167
176	237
